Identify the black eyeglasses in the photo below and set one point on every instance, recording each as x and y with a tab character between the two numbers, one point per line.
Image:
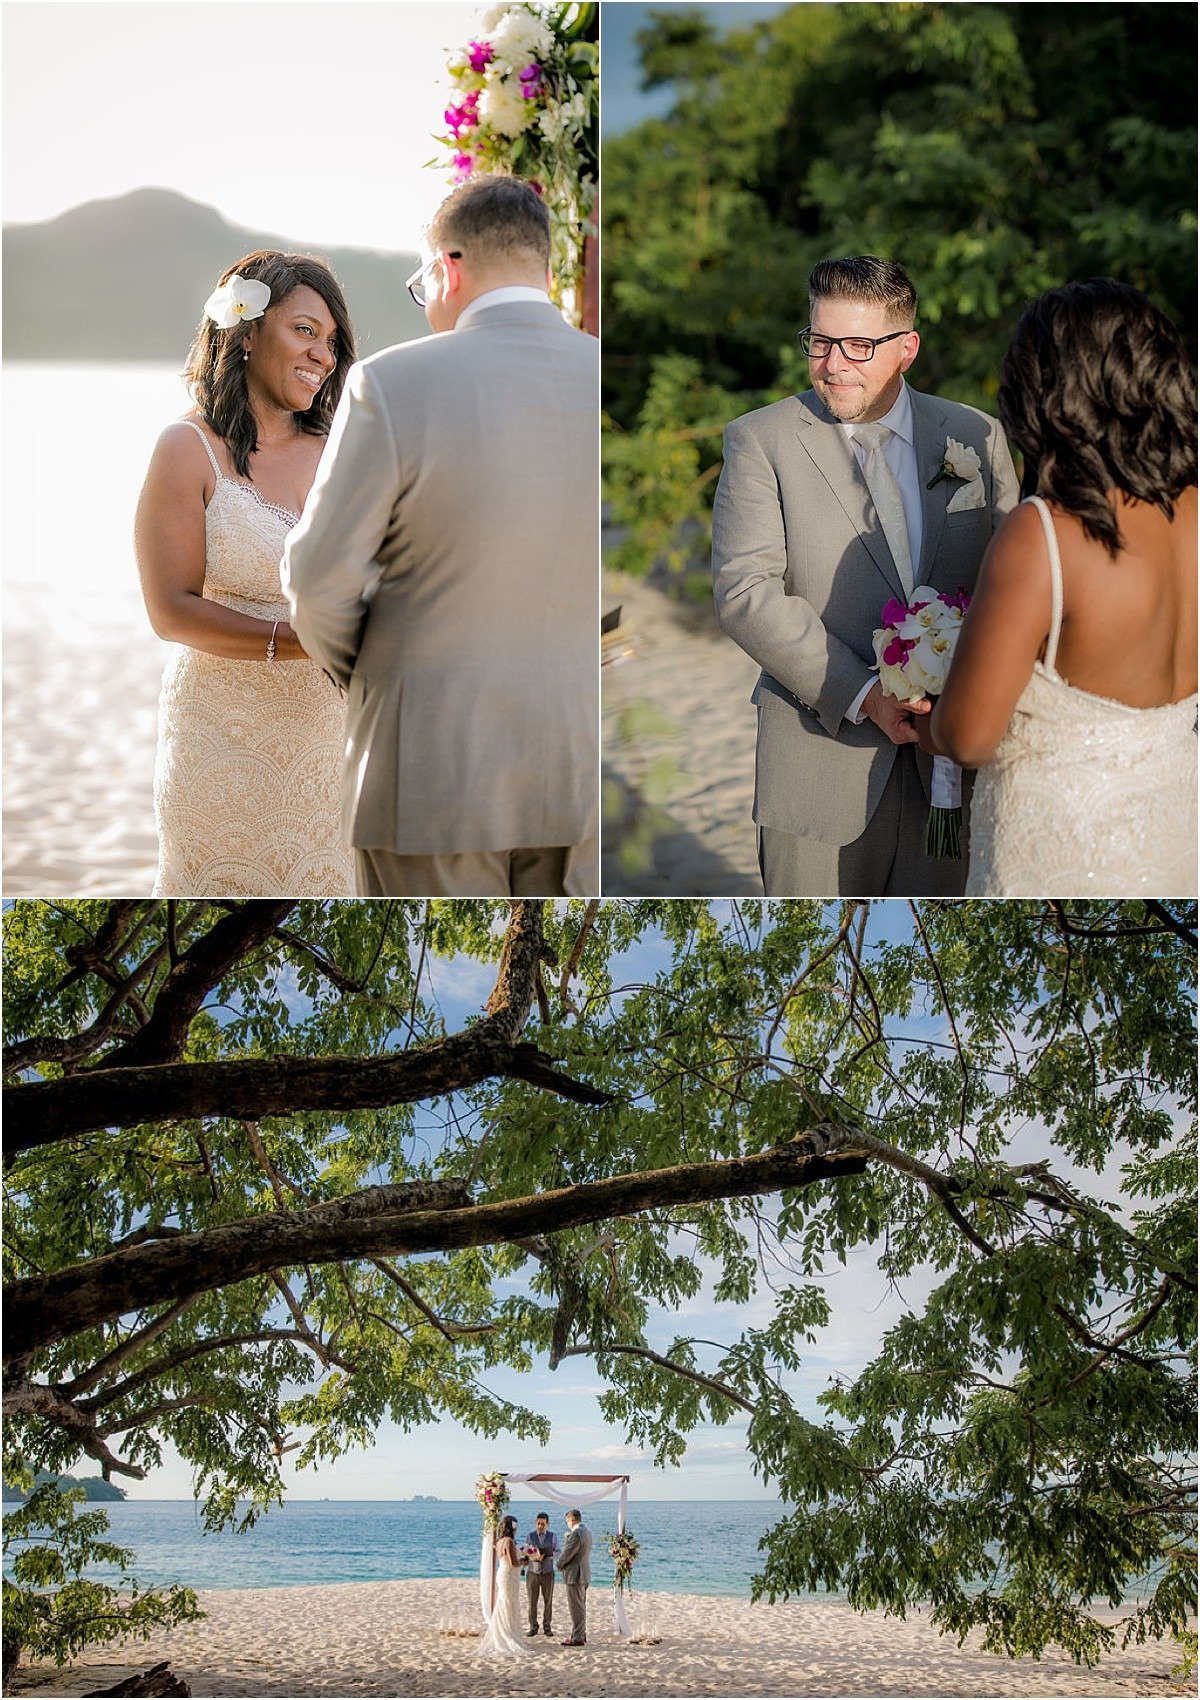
858	349
413	283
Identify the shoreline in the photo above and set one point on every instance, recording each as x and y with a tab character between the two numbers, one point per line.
406	1638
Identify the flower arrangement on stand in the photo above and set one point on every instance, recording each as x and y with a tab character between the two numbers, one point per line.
624	1549
492	1493
526	101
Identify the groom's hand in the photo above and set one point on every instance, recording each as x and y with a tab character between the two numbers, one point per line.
895	719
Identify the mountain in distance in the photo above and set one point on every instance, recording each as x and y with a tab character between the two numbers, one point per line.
127	279
94	1487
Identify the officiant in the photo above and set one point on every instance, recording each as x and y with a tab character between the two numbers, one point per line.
539	1573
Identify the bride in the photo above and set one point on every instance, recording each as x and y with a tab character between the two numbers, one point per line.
251	732
1073	686
503	1632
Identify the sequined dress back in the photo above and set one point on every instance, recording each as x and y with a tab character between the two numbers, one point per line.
1086	796
248	771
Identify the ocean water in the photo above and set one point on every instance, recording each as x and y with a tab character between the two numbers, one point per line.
706	1547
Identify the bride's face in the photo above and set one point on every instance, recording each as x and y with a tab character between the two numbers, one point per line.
293	350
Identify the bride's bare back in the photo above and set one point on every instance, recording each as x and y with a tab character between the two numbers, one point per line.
1129	623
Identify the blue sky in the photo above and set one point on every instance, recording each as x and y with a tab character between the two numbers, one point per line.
623	102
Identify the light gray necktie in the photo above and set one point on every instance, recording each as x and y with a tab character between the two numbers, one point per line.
885	493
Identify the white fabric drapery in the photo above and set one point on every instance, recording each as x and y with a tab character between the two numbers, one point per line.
551	1490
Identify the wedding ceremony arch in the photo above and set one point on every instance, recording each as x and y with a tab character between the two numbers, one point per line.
613	1484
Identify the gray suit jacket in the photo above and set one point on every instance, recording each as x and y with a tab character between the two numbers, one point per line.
801	571
445	571
574	1564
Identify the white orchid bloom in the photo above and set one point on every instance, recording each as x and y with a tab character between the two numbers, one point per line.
238	298
928	664
504	111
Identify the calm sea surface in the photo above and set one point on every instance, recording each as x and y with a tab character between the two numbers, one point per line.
698	1548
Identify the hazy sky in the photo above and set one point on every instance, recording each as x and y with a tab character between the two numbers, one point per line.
311	119
623	102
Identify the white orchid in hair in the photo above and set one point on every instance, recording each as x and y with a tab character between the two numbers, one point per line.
238	298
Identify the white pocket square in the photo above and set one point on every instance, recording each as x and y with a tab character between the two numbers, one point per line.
969	496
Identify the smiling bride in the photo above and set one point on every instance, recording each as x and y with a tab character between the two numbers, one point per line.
250	731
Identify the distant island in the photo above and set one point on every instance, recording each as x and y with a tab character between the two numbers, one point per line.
94	1487
126	279
423	1499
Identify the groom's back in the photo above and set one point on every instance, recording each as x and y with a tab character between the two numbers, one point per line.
486	606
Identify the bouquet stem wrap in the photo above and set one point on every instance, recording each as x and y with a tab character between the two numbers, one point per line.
943	830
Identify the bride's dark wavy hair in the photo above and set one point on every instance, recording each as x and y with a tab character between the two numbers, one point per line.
1097	392
216	372
508	1527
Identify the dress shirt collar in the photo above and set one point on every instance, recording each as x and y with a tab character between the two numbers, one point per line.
499	297
898	418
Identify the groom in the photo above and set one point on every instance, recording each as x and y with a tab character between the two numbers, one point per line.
445	573
825	512
575	1568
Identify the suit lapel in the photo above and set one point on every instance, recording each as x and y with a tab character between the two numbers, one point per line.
826	445
929	442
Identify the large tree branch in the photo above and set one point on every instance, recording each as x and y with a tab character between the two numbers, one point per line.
392	1221
192	978
42	1112
35	1399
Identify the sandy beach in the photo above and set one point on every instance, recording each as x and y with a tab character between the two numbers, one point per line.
385	1638
678	724
80	710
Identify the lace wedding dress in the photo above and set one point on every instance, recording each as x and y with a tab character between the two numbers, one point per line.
248	774
1085	796
503	1633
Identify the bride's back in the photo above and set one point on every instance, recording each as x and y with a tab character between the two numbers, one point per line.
1129	621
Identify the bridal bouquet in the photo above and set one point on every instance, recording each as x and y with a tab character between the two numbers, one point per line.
492	1494
914	647
526	101
624	1550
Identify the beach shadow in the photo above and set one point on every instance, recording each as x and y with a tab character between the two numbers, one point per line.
648	853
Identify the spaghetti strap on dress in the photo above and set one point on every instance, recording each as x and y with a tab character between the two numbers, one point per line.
1085	796
247	779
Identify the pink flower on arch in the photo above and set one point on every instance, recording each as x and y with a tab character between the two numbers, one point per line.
480	53
530	80
464	165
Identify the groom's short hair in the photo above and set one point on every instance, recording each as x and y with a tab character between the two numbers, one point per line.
492	215
865	277
578	1515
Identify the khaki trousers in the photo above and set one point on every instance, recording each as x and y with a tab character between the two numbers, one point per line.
887	859
570	871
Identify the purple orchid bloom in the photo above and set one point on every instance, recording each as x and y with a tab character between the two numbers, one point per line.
480	53
464	165
530	80
894	613
896	653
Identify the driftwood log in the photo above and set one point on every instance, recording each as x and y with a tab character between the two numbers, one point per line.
159	1679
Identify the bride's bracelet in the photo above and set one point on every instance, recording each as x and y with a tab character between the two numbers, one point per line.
271	642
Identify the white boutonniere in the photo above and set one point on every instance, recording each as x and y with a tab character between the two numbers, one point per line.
237	298
960	461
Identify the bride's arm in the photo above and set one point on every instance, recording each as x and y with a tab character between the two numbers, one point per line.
1003	634
169	541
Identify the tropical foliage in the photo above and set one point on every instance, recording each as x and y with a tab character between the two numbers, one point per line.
261	1194
996	150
